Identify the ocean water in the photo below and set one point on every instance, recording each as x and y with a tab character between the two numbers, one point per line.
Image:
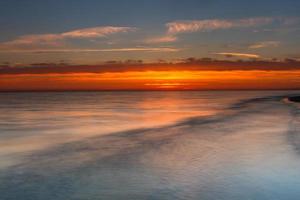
215	145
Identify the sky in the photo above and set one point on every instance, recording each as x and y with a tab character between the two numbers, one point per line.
68	34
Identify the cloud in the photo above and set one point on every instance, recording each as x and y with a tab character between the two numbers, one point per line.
149	49
145	49
162	39
42	39
242	55
96	32
264	44
56	39
187	26
199	65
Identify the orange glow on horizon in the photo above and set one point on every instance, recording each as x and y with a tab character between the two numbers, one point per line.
154	80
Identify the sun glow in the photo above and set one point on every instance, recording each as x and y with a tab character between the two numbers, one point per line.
153	80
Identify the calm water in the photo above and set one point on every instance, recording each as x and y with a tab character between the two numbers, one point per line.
149	145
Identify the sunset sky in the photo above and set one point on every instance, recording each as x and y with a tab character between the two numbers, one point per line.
149	45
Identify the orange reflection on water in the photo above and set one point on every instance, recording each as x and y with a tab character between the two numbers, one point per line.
43	120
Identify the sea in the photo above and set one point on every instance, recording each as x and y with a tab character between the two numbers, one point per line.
152	145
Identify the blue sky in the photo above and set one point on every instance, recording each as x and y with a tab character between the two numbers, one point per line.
47	31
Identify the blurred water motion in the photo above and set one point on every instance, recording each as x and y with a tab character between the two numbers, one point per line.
149	145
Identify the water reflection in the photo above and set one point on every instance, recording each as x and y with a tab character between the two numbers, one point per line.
38	120
243	152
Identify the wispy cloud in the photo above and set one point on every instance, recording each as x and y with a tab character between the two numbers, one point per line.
188	26
145	49
55	39
96	32
234	54
162	39
149	49
42	39
264	44
215	24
